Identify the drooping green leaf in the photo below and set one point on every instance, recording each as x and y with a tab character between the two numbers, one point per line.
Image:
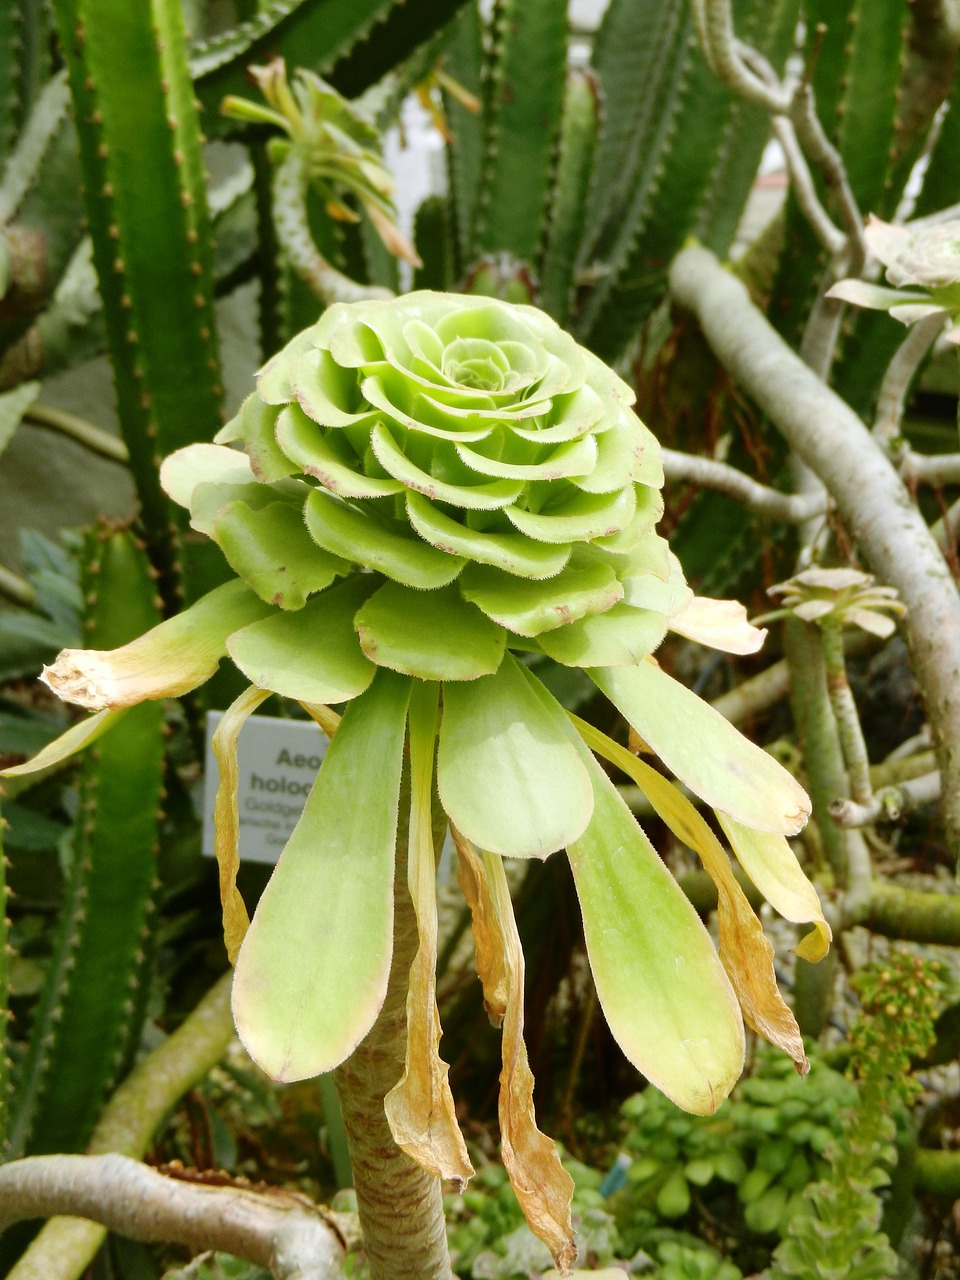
76	738
312	655
435	635
508	776
313	967
659	980
745	952
704	750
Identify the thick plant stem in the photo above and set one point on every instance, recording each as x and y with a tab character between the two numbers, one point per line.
817	734
845	712
400	1204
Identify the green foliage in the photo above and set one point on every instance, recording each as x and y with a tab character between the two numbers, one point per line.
489	1238
524	94
757	1153
573	192
838	1231
351	42
146	207
31	637
588	194
218	1266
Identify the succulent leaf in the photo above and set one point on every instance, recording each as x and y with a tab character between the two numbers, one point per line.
509	778
312	969
311	655
659	980
705	751
434	635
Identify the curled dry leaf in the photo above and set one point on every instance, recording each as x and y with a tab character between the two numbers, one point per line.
486	931
420	1108
170	659
542	1185
226	817
721	624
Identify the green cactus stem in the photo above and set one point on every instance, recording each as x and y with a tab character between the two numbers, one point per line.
147	212
87	1024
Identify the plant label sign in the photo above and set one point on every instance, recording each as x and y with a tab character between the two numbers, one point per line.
278	762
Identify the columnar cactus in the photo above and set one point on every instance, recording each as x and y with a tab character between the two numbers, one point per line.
430	490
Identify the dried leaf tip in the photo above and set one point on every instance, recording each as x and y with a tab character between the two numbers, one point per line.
78	677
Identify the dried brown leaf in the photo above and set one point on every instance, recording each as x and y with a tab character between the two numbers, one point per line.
486	928
420	1108
542	1185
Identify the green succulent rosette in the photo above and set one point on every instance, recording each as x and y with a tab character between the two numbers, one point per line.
464	448
430	492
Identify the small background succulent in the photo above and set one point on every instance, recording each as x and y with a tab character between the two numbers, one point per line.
921	263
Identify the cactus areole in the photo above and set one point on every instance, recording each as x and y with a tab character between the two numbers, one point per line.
432	495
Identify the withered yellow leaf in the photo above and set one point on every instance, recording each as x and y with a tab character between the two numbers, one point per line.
419	1108
226	819
773	867
486	930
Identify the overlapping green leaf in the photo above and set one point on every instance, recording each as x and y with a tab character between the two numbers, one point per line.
508	776
348	532
435	635
312	655
273	553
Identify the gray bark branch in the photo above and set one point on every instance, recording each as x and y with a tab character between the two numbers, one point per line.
872	500
274	1229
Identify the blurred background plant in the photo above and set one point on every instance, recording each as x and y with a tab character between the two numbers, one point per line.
156	246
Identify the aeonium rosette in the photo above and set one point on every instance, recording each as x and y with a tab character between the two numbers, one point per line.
922	263
431	490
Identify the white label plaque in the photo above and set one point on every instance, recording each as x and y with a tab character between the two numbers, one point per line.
278	763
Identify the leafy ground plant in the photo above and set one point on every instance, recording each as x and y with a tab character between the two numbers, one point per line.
430	489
